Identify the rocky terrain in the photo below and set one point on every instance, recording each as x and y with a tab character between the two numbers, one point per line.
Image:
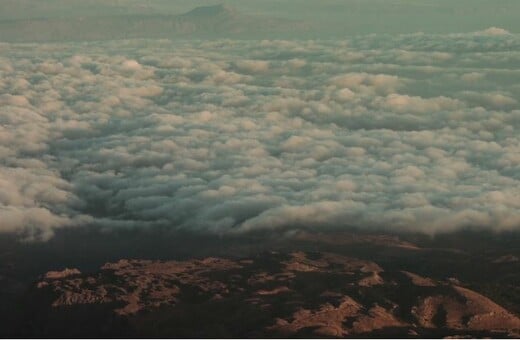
272	294
298	284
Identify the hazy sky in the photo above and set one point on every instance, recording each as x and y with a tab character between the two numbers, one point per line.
413	131
328	17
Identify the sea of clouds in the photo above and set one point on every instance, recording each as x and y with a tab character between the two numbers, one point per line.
415	132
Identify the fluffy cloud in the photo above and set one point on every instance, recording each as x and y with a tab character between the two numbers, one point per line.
494	31
405	103
373	132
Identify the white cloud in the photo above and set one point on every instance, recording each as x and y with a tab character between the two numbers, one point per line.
405	103
494	31
365	82
253	66
375	132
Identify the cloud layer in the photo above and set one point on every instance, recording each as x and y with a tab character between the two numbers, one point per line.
416	132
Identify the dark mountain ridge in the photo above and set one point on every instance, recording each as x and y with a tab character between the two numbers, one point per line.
211	11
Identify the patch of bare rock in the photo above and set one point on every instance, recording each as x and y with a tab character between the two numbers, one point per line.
304	294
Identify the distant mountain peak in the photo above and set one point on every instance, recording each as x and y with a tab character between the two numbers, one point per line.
210	11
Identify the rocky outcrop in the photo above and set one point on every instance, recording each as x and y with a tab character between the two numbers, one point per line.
137	284
301	293
61	274
419	280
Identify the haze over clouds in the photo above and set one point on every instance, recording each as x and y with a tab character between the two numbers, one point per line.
410	132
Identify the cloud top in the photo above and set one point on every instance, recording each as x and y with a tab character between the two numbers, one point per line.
412	132
494	31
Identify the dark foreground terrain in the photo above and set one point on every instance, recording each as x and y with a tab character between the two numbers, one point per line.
298	285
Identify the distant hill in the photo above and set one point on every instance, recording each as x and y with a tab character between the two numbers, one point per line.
221	10
201	22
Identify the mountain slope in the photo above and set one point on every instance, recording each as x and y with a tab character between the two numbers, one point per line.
201	22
